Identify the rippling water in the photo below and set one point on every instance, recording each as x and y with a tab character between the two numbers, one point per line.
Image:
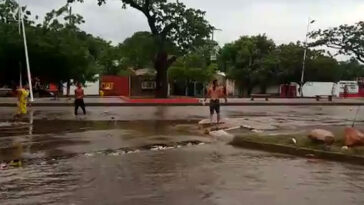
206	174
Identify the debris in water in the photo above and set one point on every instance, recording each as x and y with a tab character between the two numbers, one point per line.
3	166
257	131
310	155
294	141
114	154
201	143
344	148
89	154
15	163
221	134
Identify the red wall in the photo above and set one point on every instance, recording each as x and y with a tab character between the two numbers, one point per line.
115	85
288	91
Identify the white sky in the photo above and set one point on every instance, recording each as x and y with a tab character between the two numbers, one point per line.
282	20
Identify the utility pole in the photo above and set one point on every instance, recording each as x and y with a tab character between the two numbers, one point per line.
310	21
213	52
69	81
20	65
26	54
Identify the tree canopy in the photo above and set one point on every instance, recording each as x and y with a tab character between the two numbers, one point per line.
346	39
58	49
170	23
257	61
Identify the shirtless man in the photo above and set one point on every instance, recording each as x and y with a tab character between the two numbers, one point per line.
215	92
79	94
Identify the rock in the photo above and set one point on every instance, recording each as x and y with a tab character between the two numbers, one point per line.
323	136
353	137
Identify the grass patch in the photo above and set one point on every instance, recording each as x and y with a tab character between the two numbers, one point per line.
302	142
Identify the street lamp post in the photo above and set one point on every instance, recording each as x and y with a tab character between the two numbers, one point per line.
310	21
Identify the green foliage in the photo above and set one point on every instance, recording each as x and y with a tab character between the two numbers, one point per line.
351	70
250	61
138	51
57	52
196	66
347	39
256	61
170	23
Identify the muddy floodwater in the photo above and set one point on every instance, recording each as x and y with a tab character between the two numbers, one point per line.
154	161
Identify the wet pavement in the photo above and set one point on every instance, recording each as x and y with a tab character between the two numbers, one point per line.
154	155
122	101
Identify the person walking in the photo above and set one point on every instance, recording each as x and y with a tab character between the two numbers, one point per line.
215	92
79	95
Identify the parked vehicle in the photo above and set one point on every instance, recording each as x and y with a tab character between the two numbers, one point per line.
5	92
313	89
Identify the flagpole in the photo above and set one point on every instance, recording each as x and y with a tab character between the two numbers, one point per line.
26	56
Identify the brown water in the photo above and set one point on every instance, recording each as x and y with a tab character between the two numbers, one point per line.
202	174
159	162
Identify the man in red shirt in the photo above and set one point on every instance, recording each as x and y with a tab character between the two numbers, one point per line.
215	92
79	94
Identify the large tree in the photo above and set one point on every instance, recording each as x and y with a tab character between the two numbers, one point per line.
249	61
347	39
170	22
58	50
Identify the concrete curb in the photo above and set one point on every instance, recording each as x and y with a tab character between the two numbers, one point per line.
185	104
298	151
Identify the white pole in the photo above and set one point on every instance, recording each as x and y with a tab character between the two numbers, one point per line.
27	58
20	78
305	55
19	17
19	28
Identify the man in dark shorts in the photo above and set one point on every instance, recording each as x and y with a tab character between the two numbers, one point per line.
79	94
215	92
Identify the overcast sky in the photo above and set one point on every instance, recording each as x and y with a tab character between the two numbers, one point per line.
282	20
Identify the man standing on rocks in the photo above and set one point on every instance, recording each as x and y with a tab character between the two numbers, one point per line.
79	94
215	92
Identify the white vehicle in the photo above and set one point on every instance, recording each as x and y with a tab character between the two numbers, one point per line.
351	86
313	89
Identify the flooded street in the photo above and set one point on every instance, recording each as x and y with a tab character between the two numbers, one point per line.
156	156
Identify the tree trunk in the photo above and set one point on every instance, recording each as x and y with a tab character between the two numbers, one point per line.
161	66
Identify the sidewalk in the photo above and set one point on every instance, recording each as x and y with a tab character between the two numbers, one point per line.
118	101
